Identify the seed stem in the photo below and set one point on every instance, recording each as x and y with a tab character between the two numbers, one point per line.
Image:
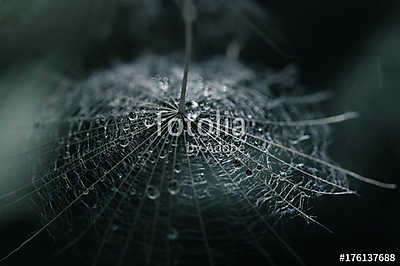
189	15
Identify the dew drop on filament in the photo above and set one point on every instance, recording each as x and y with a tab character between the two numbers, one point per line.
173	187
152	192
132	116
177	169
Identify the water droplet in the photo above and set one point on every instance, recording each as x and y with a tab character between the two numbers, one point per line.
249	172
148	123
172	234
259	167
123	142
173	187
164	84
152	192
177	169
163	153
193	116
192	104
126	126
132	116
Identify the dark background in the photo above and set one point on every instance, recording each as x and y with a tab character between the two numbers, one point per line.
347	47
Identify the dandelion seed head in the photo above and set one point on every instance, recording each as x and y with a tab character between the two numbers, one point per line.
145	189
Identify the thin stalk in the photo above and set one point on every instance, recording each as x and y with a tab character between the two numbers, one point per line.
188	17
